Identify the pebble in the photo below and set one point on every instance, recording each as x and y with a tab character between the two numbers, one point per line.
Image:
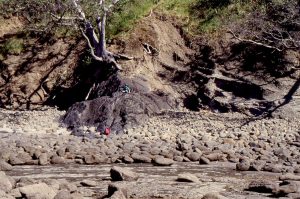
204	160
139	158
243	165
187	177
122	174
88	183
161	161
4	166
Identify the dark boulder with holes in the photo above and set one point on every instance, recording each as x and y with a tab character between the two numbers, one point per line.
118	103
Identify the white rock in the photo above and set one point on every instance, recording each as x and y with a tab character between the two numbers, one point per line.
41	190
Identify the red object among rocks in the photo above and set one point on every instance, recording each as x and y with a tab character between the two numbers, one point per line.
107	131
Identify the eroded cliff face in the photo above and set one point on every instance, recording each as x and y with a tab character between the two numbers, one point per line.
169	71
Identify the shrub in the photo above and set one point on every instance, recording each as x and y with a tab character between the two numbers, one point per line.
12	46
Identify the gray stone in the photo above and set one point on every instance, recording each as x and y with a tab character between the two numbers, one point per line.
40	190
63	194
128	159
122	174
88	183
77	195
275	168
14	160
211	196
290	177
194	156
161	161
287	188
61	152
187	177
116	192
204	160
178	158
243	165
64	184
43	159
3	195
215	157
4	166
139	158
15	193
58	160
5	182
24	181
257	165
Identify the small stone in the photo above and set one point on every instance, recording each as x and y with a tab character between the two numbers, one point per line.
290	176
64	184
94	159
161	161
14	160
297	170
58	160
77	195
243	165
154	151
275	168
215	157
43	159
194	156
63	194
287	188
178	158
24	181
141	158
15	193
204	160
5	182
257	165
4	166
89	183
211	196
128	160
40	190
61	152
122	174
187	177
3	195
116	192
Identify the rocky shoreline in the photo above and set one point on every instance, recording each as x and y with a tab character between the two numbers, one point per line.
269	145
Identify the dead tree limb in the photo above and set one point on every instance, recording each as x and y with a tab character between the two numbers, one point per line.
253	42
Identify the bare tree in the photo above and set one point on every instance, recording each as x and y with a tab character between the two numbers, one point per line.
97	44
277	28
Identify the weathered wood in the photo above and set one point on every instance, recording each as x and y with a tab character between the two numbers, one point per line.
98	45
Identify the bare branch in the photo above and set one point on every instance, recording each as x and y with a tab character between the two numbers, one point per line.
254	42
122	56
79	9
91	47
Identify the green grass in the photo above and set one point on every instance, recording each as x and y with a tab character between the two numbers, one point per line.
12	46
197	16
127	14
206	16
